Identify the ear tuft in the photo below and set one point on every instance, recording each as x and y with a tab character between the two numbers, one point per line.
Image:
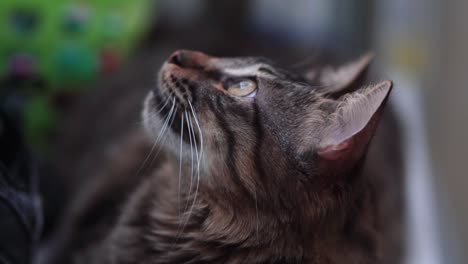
354	113
344	78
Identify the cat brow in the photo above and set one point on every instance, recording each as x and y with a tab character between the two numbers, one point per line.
267	70
256	69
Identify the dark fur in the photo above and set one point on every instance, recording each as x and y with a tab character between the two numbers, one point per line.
267	203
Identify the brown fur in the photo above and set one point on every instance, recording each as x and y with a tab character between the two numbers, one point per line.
270	212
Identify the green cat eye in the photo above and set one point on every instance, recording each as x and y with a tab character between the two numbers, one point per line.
244	88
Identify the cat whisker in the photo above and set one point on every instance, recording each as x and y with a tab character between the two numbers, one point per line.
166	119
199	129
199	155
171	98
165	132
162	107
192	174
168	99
189	126
191	155
180	161
166	122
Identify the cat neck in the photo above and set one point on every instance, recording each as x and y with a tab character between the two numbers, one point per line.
221	225
238	216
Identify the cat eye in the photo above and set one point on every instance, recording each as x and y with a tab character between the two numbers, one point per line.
243	88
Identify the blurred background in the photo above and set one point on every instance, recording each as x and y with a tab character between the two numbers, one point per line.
66	64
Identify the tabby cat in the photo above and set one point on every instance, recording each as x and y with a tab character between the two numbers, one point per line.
260	165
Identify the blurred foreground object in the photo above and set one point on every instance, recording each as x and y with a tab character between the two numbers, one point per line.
55	46
20	206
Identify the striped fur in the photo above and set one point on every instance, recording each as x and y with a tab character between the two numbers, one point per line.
245	181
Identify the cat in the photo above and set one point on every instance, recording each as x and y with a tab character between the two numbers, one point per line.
259	164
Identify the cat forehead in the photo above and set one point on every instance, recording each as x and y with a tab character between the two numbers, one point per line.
247	66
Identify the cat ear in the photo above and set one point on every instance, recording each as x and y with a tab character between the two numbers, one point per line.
339	80
353	122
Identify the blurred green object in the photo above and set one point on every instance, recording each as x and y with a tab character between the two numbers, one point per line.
39	118
65	44
65	39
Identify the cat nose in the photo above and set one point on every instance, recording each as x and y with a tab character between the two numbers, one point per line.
189	59
176	58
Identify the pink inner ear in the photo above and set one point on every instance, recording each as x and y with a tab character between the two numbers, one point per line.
333	152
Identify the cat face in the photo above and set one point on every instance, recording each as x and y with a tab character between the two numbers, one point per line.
260	124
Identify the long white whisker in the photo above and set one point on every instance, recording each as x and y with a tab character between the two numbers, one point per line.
162	107
166	119
194	140
192	134
166	132
163	133
180	161
166	122
199	129
191	153
169	99
199	156
182	226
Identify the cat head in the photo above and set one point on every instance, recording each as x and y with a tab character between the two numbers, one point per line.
251	127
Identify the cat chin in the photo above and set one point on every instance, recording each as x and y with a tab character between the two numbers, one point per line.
152	123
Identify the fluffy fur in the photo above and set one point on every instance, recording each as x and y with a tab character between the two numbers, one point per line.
282	177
